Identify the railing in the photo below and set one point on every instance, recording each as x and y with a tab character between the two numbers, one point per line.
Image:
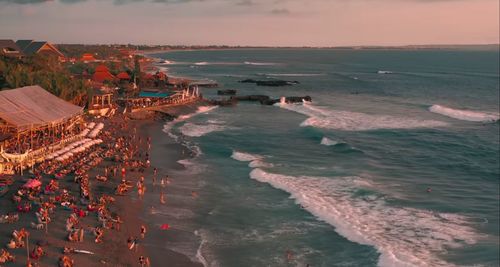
171	101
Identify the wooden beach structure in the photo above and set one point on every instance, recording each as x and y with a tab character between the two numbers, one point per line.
153	100
33	123
101	104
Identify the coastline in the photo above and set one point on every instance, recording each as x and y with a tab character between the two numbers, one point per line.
165	154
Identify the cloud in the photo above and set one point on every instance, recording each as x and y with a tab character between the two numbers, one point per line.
245	3
23	2
280	11
116	2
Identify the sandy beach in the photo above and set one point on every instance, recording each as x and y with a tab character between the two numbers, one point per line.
113	250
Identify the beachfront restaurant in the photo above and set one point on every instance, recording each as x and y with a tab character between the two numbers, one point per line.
35	123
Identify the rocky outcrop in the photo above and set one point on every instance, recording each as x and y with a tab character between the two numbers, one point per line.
226	92
288	100
251	98
224	102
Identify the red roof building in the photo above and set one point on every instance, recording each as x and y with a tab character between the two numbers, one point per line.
123	76
101	68
87	57
103	76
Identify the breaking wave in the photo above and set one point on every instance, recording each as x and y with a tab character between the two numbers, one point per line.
329	142
255	161
203	109
403	236
197	130
260	63
466	115
321	117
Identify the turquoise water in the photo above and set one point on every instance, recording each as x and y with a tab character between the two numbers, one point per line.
343	181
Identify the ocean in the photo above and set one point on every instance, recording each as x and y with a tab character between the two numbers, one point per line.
395	162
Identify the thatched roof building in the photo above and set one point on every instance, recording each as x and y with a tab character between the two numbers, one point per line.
33	107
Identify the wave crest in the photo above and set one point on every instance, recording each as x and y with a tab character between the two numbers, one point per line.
328	142
198	130
403	236
466	115
321	117
256	161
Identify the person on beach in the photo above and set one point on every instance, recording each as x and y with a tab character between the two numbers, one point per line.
66	261
37	253
5	256
144	261
143	231
289	255
98	232
162	198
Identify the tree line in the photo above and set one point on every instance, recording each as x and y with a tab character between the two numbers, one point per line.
45	71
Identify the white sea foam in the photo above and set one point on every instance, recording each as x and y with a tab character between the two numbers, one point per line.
466	115
255	161
260	63
328	142
321	117
197	130
241	156
385	72
191	166
203	109
199	254
205	63
403	236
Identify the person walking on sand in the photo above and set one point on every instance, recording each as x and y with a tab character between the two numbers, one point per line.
143	231
162	198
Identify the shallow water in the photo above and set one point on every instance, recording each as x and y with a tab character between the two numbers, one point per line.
342	181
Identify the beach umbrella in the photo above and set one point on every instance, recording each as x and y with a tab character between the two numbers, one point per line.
32	183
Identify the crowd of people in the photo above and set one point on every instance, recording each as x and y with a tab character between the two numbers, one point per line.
115	154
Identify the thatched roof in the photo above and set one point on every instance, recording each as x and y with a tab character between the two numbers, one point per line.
33	106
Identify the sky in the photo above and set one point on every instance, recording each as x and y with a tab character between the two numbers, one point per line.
253	22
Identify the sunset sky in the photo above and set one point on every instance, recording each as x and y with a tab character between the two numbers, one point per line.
253	22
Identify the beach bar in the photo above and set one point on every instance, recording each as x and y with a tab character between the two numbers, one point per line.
36	123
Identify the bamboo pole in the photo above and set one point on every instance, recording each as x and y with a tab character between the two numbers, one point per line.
27	249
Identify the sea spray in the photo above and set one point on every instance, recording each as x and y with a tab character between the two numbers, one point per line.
255	161
322	117
328	142
403	236
466	115
198	130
